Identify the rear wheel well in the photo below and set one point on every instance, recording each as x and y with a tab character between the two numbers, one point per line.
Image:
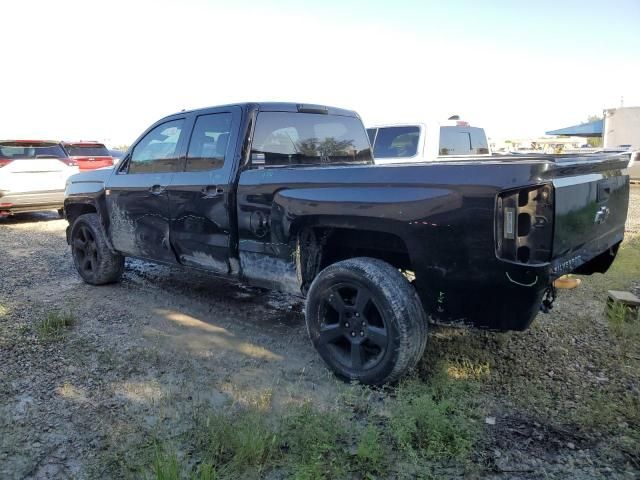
73	211
319	247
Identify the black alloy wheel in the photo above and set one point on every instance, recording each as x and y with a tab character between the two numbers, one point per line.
352	326
366	320
96	263
85	250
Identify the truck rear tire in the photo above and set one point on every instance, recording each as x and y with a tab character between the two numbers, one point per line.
366	321
93	259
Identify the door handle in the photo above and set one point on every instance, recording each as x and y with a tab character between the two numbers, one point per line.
211	191
156	189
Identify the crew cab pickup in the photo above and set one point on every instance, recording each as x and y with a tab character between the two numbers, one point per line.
286	196
427	141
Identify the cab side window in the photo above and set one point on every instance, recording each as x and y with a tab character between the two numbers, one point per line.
157	152
396	142
463	141
454	141
209	142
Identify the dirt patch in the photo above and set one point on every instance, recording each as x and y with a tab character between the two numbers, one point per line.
139	357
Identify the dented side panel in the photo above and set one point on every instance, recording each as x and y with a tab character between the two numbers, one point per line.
138	218
200	204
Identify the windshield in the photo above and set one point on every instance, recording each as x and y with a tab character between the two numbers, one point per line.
22	150
87	150
283	138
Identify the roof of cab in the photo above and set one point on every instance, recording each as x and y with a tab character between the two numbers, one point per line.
278	107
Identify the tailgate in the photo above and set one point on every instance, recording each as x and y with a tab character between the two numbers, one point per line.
91	163
591	200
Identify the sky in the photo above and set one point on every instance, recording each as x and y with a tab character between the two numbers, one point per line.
106	70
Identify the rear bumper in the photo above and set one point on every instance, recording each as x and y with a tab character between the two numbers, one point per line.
504	295
14	202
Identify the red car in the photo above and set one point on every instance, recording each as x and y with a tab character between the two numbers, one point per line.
89	155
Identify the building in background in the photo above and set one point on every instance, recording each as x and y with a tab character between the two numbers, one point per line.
619	128
622	128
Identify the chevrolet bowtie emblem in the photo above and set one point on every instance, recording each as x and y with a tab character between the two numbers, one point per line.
601	215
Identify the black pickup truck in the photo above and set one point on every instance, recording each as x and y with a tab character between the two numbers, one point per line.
286	196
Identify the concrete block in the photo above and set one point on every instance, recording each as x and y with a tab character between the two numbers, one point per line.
626	298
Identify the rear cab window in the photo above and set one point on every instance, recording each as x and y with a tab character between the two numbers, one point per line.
87	150
290	139
396	142
457	140
21	150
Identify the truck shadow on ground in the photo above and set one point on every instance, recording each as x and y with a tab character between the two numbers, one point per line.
30	217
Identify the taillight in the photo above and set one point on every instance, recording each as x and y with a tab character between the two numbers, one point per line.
5	161
524	224
69	161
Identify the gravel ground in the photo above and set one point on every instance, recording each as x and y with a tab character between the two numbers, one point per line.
142	352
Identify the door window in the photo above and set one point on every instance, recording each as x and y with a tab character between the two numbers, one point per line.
157	152
209	142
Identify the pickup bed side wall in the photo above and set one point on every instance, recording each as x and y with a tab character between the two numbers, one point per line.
443	213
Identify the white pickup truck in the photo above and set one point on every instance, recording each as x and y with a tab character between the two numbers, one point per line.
425	142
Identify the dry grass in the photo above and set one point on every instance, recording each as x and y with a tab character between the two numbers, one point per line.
54	325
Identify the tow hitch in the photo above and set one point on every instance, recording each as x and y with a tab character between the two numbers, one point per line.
547	299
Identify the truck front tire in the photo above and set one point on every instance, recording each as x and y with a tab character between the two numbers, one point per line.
93	259
366	321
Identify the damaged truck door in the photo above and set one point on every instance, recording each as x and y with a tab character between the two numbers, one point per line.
199	195
136	196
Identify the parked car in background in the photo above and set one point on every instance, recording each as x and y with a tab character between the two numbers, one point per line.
33	174
89	155
424	142
285	196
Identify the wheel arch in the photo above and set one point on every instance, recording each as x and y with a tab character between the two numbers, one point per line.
322	241
74	208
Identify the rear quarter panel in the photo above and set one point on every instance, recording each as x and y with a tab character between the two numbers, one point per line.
443	211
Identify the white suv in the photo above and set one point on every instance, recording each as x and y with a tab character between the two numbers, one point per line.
33	175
